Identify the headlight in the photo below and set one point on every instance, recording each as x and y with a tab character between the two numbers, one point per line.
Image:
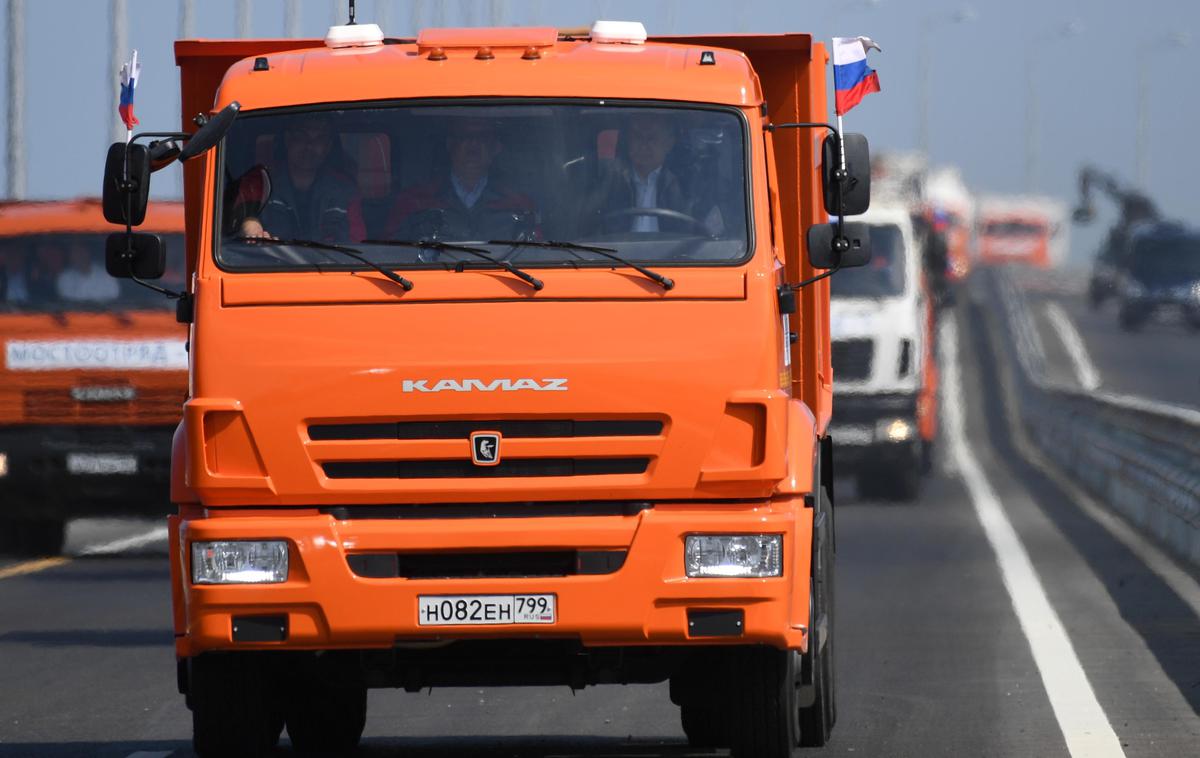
894	430
734	555
240	562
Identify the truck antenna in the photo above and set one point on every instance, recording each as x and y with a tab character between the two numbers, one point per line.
351	13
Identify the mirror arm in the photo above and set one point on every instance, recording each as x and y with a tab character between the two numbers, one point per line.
840	243
818	277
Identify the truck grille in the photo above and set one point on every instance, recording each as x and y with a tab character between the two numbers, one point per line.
852	359
485	565
59	405
511	429
465	469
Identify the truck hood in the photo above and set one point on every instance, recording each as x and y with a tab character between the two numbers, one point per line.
374	403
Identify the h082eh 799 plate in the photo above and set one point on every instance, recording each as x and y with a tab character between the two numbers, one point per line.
464	610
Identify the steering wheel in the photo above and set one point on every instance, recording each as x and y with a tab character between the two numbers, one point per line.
663	213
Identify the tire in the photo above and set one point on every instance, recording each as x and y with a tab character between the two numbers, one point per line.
817	719
907	483
325	718
763	708
232	709
1129	319
30	538
704	727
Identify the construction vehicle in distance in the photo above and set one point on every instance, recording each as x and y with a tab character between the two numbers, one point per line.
1022	229
516	409
93	377
1134	207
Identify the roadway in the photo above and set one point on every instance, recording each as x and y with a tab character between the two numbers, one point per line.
1160	361
932	658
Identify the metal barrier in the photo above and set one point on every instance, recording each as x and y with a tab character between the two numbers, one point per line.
1139	456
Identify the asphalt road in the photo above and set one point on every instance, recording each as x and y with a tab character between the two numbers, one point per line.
932	659
1160	361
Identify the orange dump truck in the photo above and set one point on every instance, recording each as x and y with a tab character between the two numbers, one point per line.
503	373
93	377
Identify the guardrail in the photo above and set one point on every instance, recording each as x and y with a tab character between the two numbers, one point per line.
1139	456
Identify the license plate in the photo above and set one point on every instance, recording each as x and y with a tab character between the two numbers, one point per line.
101	463
460	610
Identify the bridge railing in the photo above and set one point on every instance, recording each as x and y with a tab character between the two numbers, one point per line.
1139	456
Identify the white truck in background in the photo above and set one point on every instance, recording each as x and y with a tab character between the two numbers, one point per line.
882	366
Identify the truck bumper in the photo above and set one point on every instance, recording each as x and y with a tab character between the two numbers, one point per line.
68	471
647	600
875	430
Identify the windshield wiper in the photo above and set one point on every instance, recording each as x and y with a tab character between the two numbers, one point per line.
666	282
347	251
478	252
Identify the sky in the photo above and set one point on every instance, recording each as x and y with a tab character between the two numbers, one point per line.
980	54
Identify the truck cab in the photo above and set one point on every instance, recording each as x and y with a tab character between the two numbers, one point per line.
502	373
882	361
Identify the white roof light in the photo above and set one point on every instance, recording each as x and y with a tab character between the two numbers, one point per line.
619	32
354	35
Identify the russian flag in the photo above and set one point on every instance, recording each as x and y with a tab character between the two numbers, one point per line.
130	73
852	79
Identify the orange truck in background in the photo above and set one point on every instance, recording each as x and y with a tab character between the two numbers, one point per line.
1021	229
93	377
510	366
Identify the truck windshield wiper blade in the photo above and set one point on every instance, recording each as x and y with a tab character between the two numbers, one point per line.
666	282
478	252
347	251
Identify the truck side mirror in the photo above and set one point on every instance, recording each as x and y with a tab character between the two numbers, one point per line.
135	256
124	195
827	249
211	133
856	185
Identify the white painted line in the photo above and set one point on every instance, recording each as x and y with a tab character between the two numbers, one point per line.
127	543
1084	725
1085	370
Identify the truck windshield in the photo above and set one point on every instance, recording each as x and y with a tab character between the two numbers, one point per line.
1170	259
883	276
1013	229
659	185
65	272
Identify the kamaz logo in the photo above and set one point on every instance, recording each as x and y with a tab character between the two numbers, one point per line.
478	385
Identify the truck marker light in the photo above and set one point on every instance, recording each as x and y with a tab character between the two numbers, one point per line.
240	562
734	555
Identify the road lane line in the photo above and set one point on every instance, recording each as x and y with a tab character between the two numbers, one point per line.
1084	726
127	543
1085	370
30	567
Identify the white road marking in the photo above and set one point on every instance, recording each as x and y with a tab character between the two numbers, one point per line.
1085	727
127	543
1085	370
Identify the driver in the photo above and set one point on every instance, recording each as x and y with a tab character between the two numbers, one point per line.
308	195
468	202
639	179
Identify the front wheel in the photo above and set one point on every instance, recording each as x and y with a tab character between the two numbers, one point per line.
31	538
704	726
326	718
764	713
232	710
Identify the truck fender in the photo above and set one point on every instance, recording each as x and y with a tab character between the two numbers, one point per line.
180	492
